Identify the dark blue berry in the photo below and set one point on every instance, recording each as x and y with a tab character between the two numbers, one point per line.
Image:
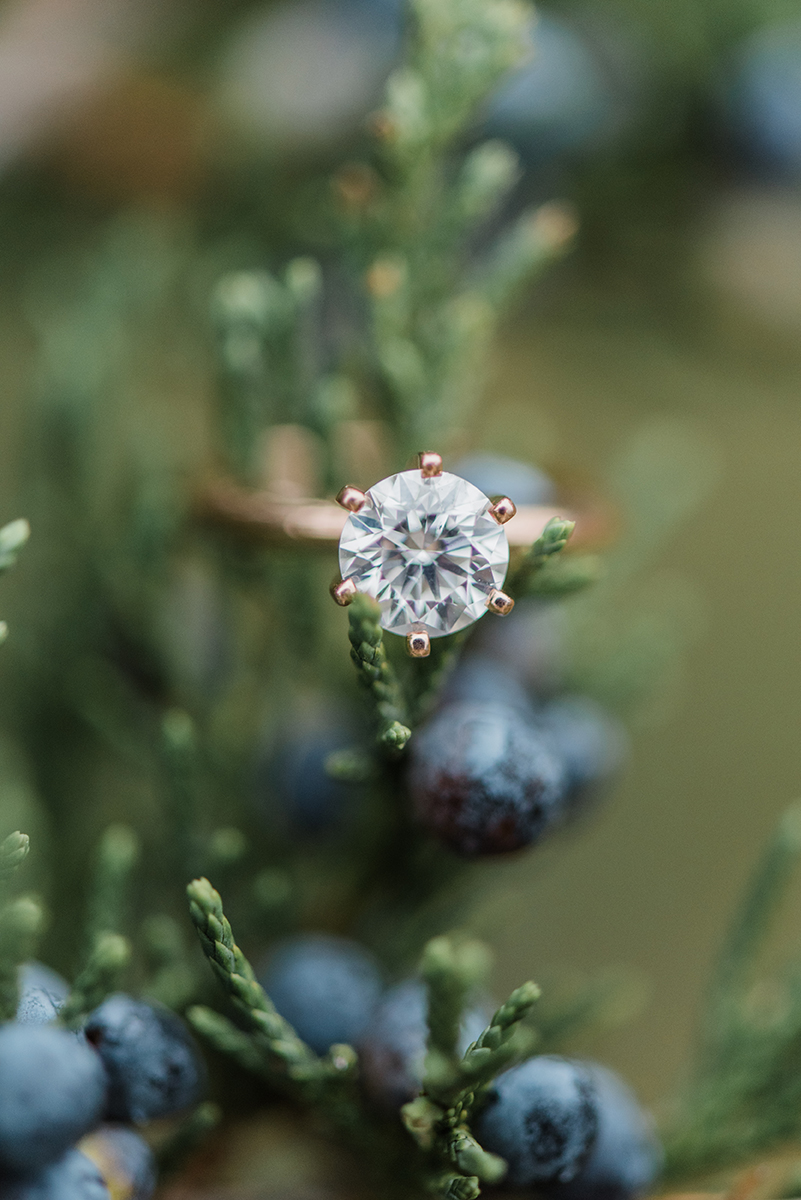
292	787
41	994
485	779
52	1091
592	743
559	101
152	1064
542	1118
326	987
124	1159
393	1048
762	101
73	1177
479	679
496	475
626	1157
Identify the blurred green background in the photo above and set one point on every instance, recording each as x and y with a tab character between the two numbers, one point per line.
675	129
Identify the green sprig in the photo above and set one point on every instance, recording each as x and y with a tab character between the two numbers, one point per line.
451	968
173	979
13	851
472	1159
12	538
457	1187
376	672
225	1037
108	959
21	923
564	576
744	1100
489	1055
117	855
283	1052
539	556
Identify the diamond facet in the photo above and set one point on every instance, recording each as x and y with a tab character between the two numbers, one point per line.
428	550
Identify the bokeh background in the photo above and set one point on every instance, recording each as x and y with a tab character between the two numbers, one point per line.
205	131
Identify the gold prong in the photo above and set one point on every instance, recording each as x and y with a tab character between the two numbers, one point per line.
430	464
498	602
418	644
351	498
343	591
503	510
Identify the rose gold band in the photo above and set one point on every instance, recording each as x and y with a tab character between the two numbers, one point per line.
268	519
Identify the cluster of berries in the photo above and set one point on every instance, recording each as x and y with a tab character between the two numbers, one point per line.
491	770
571	1130
68	1098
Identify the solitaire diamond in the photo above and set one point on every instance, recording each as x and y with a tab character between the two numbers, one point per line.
428	550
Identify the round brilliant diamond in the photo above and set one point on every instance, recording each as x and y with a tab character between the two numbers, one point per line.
428	550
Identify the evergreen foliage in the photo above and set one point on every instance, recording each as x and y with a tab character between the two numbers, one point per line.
431	271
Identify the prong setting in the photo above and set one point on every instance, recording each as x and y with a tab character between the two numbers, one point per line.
418	644
499	603
343	591
503	510
430	464
351	498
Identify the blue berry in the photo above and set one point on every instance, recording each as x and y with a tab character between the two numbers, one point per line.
485	779
593	745
542	1118
73	1177
292	785
763	99
41	994
392	1050
124	1159
626	1157
326	987
496	475
52	1091
479	679
559	101
152	1064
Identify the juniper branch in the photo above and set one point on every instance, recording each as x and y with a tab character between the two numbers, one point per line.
552	540
458	1187
486	1057
12	538
180	757
173	980
21	923
13	852
451	970
564	576
117	855
745	1098
534	241
431	99
224	1036
763	896
108	959
376	673
472	1159
275	1037
487	175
